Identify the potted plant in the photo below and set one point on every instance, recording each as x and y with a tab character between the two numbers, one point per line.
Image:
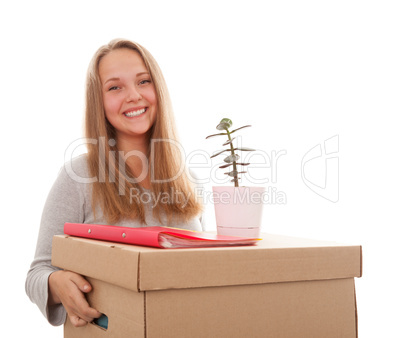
238	209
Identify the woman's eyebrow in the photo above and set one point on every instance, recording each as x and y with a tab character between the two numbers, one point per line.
143	73
117	78
112	79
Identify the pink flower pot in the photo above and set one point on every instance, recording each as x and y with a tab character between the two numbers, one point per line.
238	210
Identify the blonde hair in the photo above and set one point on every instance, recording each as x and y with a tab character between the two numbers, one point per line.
111	191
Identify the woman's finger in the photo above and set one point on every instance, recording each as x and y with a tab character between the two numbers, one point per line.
77	321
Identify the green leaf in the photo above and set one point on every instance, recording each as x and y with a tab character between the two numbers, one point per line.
218	153
244	149
215	135
228	141
249	125
235	172
231	158
224	124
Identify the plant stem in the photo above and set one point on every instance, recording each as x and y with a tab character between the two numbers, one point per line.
236	179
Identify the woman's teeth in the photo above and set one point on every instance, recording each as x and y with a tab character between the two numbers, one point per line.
135	113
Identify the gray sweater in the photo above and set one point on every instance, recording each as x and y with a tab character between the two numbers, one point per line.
69	200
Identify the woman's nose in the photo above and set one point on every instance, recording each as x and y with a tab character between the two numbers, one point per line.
133	95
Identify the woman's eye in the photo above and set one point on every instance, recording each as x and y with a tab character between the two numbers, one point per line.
144	82
113	88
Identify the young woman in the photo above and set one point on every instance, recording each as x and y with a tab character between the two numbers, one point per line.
132	175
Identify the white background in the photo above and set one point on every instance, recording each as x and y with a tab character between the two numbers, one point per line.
300	72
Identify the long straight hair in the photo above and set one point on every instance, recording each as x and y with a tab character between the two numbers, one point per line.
113	189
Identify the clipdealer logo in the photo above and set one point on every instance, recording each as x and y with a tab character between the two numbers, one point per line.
320	169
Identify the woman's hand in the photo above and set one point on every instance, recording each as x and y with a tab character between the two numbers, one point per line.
68	288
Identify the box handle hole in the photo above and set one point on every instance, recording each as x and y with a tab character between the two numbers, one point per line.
102	322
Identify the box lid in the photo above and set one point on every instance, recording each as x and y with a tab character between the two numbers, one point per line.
274	259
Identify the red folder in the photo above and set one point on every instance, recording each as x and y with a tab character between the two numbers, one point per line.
160	237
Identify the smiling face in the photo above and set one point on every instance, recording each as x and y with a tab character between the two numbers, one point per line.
129	96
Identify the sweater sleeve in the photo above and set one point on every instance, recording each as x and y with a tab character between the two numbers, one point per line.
65	202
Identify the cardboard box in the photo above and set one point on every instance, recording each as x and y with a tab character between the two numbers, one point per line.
283	287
